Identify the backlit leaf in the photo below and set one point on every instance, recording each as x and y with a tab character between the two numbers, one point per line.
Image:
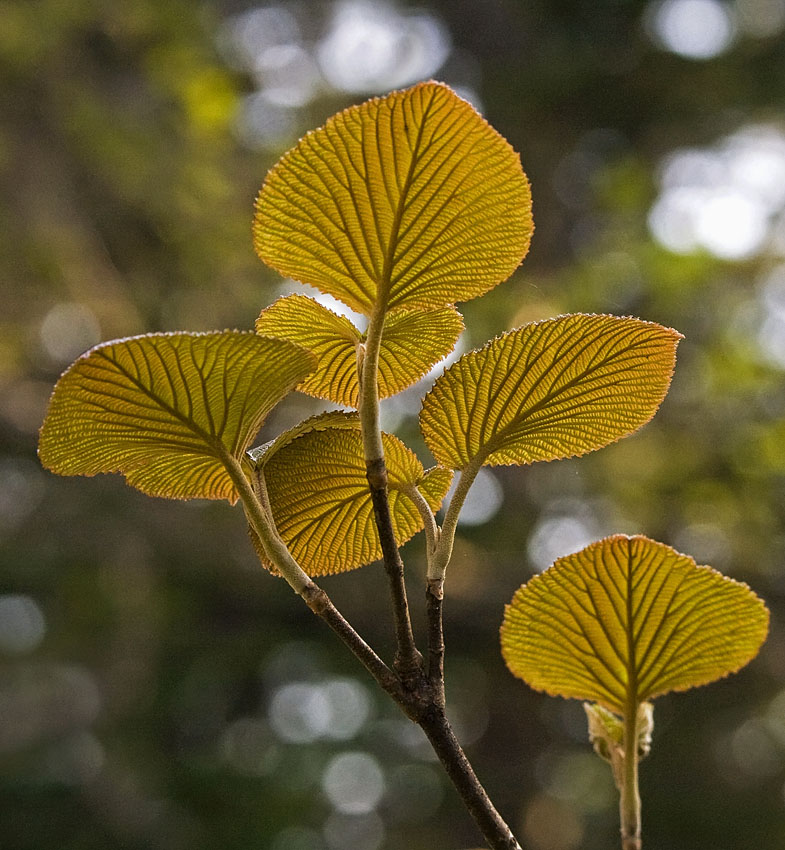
411	199
549	390
411	344
165	409
332	338
259	455
629	619
414	342
321	504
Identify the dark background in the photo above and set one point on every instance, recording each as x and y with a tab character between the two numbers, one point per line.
157	688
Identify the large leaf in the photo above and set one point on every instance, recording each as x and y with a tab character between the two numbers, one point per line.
551	389
166	409
411	199
629	619
318	492
411	344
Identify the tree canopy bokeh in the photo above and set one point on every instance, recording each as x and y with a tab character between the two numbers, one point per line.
158	689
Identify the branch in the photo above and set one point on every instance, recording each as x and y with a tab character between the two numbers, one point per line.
453	759
408	660
434	597
319	602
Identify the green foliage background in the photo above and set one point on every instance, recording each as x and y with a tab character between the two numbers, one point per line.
143	651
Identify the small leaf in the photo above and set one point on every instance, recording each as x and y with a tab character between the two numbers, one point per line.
414	342
166	409
411	344
411	199
553	389
628	619
259	455
321	504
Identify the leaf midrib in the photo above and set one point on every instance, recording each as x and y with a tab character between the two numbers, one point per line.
212	441
384	284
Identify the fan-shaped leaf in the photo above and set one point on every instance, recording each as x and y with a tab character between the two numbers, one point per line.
411	199
259	455
321	504
629	619
165	409
549	390
332	338
412	343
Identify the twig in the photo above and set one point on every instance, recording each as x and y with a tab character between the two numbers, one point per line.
408	660
434	597
453	759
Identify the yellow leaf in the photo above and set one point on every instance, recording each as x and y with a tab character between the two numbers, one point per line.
414	342
411	199
411	344
259	455
627	619
165	410
553	389
321	504
332	338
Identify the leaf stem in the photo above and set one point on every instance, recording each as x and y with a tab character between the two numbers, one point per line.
369	391
262	523
438	566
408	659
629	795
429	521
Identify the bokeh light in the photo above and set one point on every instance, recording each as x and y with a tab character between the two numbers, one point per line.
295	54
22	624
354	832
354	783
374	47
724	199
694	29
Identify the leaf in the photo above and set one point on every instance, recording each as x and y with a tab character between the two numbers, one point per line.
553	389
322	506
629	619
411	344
411	199
332	338
259	455
167	409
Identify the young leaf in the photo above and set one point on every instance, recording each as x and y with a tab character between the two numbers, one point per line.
332	338
411	199
321	504
553	389
166	409
627	619
412	343
259	455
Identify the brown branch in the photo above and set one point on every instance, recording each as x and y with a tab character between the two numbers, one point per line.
321	605
408	660
497	834
434	596
422	700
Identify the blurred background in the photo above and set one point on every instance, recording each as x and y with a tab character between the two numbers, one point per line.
157	688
